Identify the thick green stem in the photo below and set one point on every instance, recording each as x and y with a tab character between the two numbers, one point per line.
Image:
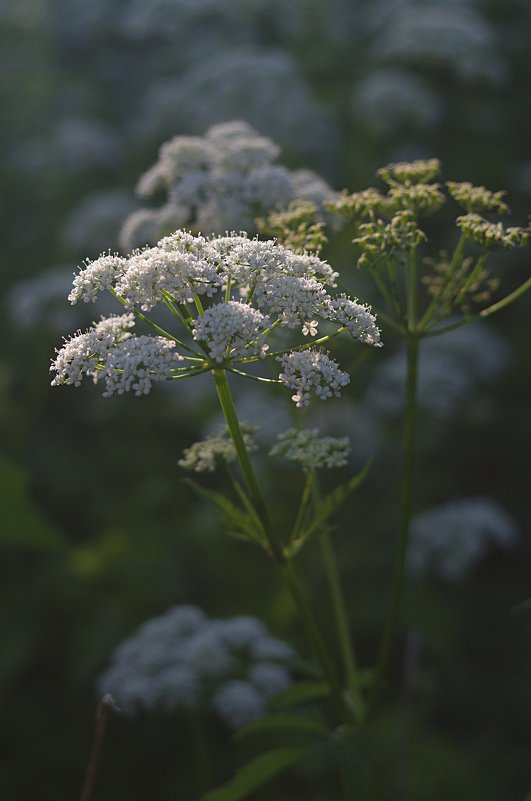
406	496
276	545
229	411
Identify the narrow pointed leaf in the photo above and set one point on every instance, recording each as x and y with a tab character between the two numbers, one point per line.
284	722
301	693
255	773
242	522
329	504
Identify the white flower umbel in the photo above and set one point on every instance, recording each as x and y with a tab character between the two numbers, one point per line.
243	290
180	265
449	540
232	329
83	352
294	299
357	317
216	183
136	363
310	450
238	703
207	454
97	276
308	371
110	352
185	660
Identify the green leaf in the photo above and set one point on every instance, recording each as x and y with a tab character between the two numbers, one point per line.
284	722
525	606
22	523
301	693
244	524
328	505
255	773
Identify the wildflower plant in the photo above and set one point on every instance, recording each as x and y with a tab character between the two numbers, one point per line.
229	297
259	310
391	245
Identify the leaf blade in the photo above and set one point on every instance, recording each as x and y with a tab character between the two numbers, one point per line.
255	773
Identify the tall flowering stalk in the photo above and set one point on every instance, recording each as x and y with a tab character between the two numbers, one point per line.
229	296
391	241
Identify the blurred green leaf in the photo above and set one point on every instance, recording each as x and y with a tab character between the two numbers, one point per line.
328	505
525	606
301	693
242	523
255	773
22	523
283	722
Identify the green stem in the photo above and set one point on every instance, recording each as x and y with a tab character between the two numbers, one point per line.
435	332
199	305
388	321
507	299
191	374
312	344
500	304
276	545
387	296
229	411
439	299
314	636
341	620
412	290
471	278
306	494
253	377
406	498
201	755
153	325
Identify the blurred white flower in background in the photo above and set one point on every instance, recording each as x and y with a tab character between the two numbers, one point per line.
450	539
217	183
450	367
94	224
71	146
184	659
452	35
390	100
261	84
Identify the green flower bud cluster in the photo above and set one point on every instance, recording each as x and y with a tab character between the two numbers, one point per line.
408	173
476	198
421	199
471	284
492	235
396	237
295	227
366	203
